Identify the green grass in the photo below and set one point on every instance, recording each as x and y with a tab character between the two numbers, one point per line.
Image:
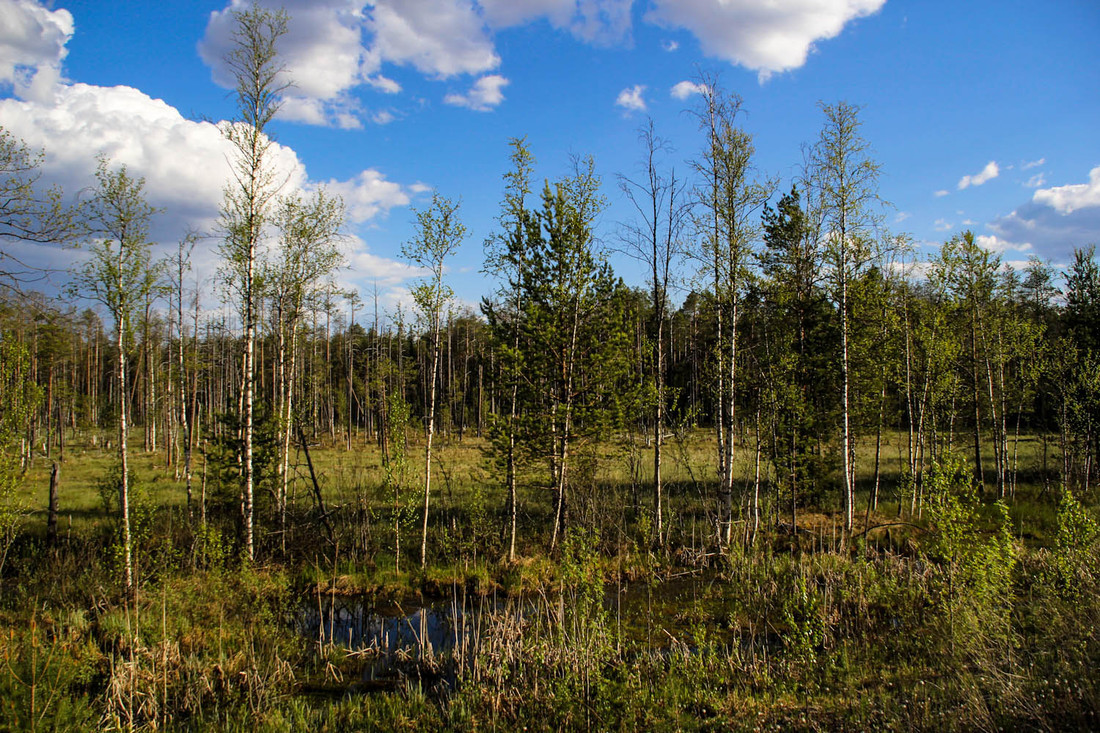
794	633
462	474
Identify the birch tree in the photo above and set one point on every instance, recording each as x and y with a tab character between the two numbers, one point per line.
730	199
439	234
306	255
654	238
845	179
180	265
27	213
119	275
248	198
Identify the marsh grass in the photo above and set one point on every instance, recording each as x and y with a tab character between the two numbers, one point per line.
951	620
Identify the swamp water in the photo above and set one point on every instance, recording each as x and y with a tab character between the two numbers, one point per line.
434	643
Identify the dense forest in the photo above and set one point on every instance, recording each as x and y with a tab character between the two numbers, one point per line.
801	476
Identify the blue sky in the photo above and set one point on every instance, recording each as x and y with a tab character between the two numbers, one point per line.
983	115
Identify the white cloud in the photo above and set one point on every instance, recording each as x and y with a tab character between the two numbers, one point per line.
766	37
486	93
440	38
942	225
369	195
602	21
941	193
1036	180
631	99
32	46
594	21
684	89
670	46
322	51
368	267
343	111
1033	164
1056	219
901	216
184	162
1068	199
383	117
995	244
509	13
988	173
384	84
335	47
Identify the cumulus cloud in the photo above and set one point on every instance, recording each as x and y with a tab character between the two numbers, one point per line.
369	195
185	163
942	225
343	112
988	173
380	270
631	98
766	37
322	52
333	48
997	245
1056	220
486	93
336	48
1036	181
595	21
1068	199
437	37
1033	164
941	193
32	46
684	89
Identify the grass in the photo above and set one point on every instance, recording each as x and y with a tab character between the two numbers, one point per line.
794	633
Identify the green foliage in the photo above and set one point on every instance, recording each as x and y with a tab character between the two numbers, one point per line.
582	579
797	360
975	566
19	395
475	533
805	626
224	461
119	273
1083	299
395	465
1075	557
46	668
27	212
439	234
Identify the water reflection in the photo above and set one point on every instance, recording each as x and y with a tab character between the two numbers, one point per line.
394	641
